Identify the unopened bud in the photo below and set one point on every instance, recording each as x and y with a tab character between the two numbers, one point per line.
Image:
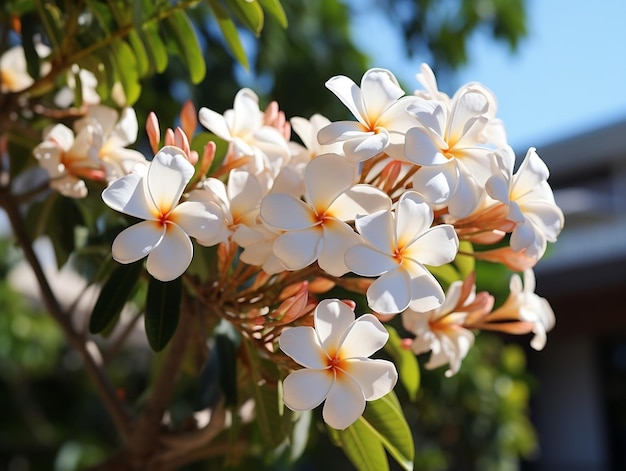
153	131
188	119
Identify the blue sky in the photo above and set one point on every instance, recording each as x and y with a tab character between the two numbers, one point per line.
568	75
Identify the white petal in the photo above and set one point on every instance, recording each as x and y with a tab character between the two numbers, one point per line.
302	344
431	114
338	237
247	116
531	172
367	261
380	89
344	404
215	123
168	174
420	148
137	241
332	320
359	200
349	94
341	131
436	183
413	217
244	191
367	146
326	177
465	198
498	188
426	293
436	246
298	249
172	256
378	229
375	377
306	389
128	195
364	337
391	293
202	221
285	212
466	109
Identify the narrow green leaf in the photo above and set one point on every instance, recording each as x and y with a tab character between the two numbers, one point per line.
115	292
274	8
51	18
386	419
406	362
362	446
143	63
127	72
157	53
229	31
162	311
188	47
266	402
33	62
249	13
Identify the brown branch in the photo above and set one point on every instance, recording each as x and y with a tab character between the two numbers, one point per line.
87	349
149	425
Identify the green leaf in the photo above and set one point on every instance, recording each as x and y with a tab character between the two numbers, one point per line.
51	18
386	419
362	446
33	62
249	13
144	65
465	264
157	53
406	362
229	31
188	47
162	311
114	295
269	413
274	8
127	72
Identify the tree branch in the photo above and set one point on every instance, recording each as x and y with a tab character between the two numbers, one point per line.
87	349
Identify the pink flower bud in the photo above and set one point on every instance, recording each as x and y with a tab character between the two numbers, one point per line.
153	131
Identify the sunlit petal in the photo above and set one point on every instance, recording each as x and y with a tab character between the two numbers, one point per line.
332	319
363	148
298	249
137	241
349	94
306	389
413	217
344	404
326	177
338	238
376	378
391	293
426	293
172	256
378	229
168	174
380	89
128	195
283	211
367	261
436	246
364	337
202	221
359	201
302	344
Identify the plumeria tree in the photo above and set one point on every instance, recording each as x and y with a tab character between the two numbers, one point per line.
272	263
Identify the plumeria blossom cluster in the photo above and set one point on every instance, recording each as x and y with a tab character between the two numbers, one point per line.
372	205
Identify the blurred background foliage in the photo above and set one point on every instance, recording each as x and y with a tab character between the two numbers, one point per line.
477	419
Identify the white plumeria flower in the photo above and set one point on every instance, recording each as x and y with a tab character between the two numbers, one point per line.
14	75
68	160
337	368
493	132
307	130
537	218
118	131
397	248
153	194
441	330
380	108
242	126
449	147
315	229
525	304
